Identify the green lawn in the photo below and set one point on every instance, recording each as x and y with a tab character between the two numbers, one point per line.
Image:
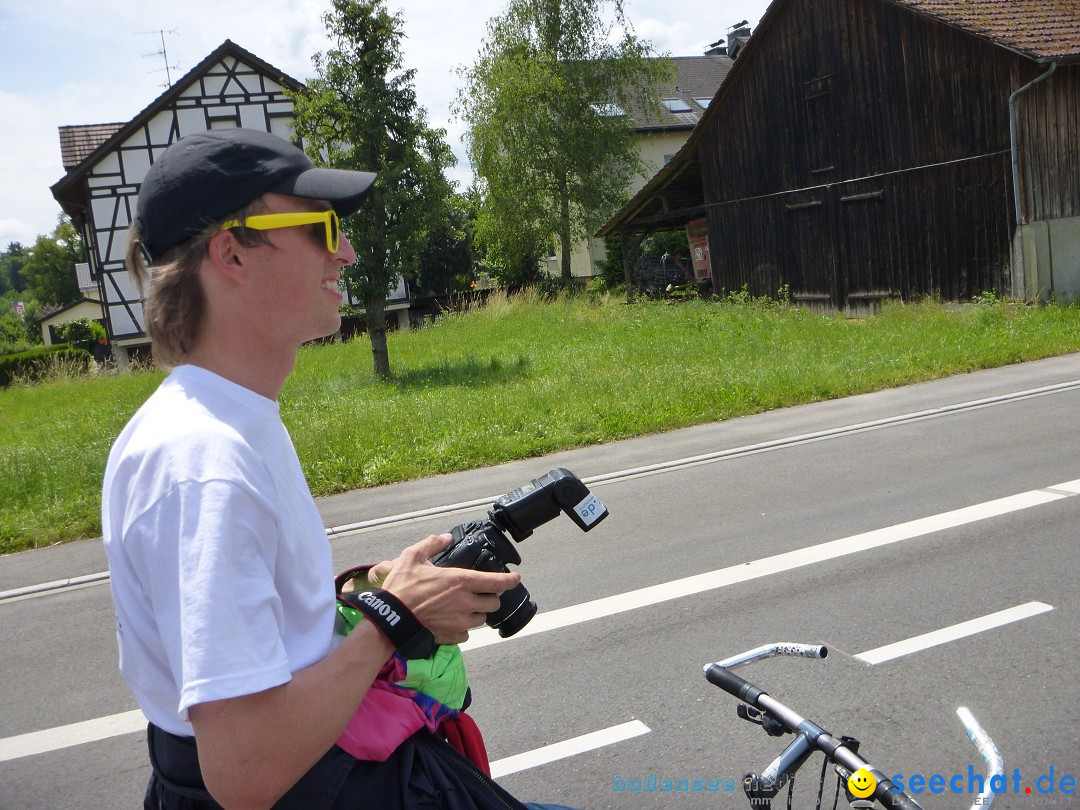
521	378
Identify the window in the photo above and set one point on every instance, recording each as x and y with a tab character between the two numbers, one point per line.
676	105
702	102
821	125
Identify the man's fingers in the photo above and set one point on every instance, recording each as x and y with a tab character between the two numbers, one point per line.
486	603
428	547
491	581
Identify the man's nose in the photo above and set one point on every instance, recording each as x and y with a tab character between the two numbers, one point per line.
345	251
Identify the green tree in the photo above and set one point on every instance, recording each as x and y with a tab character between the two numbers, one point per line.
11	262
547	131
666	242
20	331
360	112
50	270
13	331
447	260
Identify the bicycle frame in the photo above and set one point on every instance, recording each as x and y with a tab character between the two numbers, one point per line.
778	719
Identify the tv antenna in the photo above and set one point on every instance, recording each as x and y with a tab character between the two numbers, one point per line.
162	53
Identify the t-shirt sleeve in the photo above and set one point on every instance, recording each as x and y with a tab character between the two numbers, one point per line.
205	553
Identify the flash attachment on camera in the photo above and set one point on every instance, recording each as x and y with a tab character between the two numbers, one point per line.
540	500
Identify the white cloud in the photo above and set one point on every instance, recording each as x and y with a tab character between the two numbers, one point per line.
27	169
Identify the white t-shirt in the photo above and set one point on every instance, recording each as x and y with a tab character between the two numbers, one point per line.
221	572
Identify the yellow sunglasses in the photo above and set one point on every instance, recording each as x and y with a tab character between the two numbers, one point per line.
269	222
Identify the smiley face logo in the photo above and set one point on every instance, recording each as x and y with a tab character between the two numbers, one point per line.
862	784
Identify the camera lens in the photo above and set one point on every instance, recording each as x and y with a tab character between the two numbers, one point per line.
515	611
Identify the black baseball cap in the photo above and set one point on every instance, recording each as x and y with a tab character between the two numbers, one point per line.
206	176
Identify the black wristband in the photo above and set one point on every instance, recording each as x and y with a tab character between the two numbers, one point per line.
394	620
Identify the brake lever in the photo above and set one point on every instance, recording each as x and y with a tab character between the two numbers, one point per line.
772	726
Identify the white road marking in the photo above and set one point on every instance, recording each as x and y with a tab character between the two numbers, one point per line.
779	563
568	748
53	739
956	631
91	730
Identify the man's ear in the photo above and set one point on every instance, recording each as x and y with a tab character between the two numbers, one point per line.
229	257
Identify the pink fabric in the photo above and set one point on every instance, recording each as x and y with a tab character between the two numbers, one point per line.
386	718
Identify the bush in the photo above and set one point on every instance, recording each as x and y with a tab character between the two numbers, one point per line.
610	268
81	332
36	363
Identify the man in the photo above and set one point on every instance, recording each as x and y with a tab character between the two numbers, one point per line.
221	571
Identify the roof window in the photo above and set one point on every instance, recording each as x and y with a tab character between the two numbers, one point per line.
676	105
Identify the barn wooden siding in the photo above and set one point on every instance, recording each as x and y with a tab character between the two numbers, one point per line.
864	153
1049	146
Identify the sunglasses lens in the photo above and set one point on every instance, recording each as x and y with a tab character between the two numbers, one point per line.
333	231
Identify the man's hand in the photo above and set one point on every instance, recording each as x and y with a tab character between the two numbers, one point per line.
449	601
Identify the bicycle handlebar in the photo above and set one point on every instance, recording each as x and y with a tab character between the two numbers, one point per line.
995	765
816	738
769	650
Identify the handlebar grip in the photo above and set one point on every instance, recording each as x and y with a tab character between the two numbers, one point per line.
733	684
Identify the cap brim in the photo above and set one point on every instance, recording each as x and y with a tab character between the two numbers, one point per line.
346	190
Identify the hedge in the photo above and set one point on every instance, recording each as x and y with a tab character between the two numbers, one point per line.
33	363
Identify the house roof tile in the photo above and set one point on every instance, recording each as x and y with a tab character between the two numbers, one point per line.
695	77
79	141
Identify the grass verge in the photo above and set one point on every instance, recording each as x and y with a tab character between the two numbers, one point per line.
521	378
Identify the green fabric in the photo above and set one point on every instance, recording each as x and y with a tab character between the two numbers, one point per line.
347	619
442	676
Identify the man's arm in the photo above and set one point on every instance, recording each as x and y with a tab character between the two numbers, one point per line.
253	748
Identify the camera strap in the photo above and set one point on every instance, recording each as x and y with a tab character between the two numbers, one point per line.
393	619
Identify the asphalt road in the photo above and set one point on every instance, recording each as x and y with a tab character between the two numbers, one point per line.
857	523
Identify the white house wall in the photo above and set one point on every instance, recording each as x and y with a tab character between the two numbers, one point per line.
655	149
229	94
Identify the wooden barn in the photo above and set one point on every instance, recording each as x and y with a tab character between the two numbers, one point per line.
866	149
106	163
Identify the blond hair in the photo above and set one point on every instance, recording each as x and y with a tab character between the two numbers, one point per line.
174	302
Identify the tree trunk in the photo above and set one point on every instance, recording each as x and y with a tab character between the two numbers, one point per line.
375	319
624	243
564	227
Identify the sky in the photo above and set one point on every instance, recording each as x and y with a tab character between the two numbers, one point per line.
68	62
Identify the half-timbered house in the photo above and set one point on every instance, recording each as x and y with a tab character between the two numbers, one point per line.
106	163
866	149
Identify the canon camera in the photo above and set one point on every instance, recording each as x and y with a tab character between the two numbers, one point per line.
483	545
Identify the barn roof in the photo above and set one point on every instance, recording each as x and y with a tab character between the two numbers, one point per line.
1044	30
1041	30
